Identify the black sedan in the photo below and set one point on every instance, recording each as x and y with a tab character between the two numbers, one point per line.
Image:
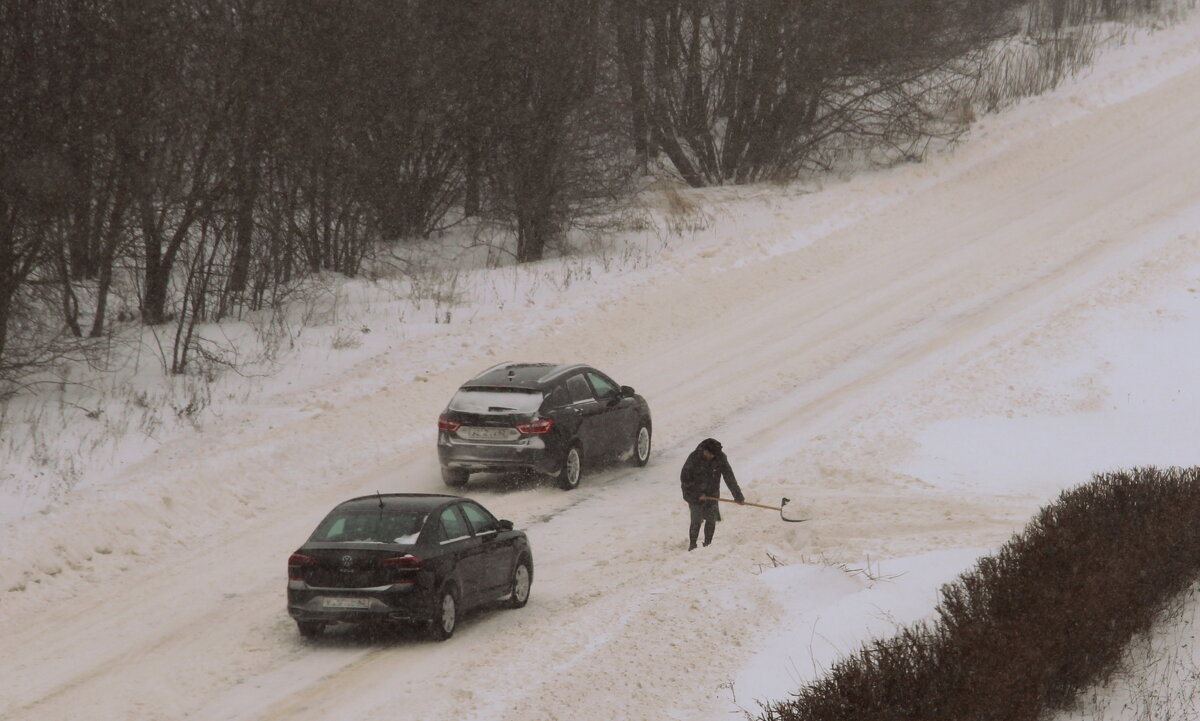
541	417
406	558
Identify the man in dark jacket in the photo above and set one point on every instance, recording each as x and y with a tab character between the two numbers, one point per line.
701	476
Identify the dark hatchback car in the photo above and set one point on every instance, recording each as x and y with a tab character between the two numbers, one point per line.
407	559
541	417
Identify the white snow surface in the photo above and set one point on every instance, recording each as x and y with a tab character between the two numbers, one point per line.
919	358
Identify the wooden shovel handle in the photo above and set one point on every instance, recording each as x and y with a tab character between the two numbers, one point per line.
743	503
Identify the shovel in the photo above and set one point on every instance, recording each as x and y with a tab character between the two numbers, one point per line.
779	508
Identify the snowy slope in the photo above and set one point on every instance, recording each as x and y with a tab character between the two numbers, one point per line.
919	358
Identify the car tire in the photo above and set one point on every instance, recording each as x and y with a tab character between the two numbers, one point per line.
455	477
310	629
641	446
571	470
445	615
522	579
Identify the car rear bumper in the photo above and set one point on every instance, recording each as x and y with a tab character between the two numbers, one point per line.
527	454
397	603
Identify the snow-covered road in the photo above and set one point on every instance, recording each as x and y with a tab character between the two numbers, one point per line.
815	356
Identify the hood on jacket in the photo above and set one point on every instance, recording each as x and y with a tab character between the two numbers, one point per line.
712	445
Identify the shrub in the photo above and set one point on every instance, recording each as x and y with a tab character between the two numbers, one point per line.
1029	628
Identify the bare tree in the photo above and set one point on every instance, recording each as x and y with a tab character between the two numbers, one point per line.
628	19
315	172
405	134
174	153
741	91
209	155
255	47
35	175
554	147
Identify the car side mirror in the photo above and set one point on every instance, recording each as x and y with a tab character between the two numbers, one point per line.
628	392
506	525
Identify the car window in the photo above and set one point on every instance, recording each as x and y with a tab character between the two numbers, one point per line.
604	388
401	528
371	526
488	400
557	398
578	388
481	521
453	526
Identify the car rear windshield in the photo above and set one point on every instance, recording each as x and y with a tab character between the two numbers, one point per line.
371	526
496	400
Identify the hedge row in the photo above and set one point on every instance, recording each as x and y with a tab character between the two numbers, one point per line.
1029	628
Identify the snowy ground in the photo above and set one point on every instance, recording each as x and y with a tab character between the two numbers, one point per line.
918	358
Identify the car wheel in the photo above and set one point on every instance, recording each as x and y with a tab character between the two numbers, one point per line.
455	477
522	579
445	615
310	629
641	446
572	469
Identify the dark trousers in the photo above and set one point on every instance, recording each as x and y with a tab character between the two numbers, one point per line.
703	512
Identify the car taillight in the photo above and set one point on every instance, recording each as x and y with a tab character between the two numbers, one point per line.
445	424
296	565
406	568
537	427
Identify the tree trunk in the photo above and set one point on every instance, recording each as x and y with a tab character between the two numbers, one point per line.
5	310
247	194
160	258
531	237
663	128
473	173
102	290
154	295
15	265
631	42
81	250
70	304
112	244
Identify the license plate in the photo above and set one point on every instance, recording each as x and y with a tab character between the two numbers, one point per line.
478	433
347	603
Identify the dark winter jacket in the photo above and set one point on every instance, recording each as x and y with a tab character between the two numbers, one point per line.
702	477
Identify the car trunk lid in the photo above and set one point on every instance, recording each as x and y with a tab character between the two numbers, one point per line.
357	565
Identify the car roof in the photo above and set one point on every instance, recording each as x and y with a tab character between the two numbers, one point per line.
525	376
399	501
